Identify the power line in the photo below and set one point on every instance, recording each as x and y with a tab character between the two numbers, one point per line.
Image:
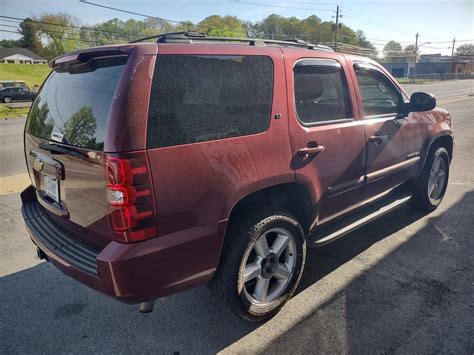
65	39
69	26
68	36
282	6
11	32
134	13
385	24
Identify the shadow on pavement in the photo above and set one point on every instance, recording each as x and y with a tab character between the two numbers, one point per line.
417	299
409	302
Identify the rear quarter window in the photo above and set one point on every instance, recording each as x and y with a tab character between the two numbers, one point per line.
197	98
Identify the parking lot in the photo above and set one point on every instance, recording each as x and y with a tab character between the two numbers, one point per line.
403	284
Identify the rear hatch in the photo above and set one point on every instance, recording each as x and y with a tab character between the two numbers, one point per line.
64	142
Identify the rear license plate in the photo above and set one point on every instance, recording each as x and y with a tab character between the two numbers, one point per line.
51	187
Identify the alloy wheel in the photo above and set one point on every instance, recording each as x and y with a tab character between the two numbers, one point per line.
268	266
437	178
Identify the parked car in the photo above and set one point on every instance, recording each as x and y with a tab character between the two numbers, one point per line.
158	167
13	83
16	93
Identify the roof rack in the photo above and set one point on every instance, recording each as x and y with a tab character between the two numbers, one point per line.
193	36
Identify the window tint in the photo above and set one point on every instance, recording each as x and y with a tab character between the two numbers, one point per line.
320	93
379	97
73	105
200	98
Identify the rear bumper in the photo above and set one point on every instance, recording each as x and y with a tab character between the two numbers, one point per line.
131	273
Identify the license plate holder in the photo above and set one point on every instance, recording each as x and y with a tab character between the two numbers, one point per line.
51	187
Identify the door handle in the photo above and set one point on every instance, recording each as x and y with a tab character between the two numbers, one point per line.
378	138
310	151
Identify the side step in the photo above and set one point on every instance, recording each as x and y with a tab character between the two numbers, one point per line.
357	221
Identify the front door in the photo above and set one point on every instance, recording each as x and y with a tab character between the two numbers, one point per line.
393	140
327	142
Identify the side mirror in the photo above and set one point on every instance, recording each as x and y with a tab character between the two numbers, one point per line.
422	101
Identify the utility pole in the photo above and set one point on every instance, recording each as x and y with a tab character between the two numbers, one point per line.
414	65
452	49
336	29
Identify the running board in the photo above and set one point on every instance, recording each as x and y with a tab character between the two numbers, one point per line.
342	229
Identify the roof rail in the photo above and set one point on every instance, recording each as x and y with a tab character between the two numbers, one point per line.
193	36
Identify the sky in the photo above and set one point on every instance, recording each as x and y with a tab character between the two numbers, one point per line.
437	22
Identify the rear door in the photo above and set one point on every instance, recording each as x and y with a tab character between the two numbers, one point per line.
217	130
327	141
393	140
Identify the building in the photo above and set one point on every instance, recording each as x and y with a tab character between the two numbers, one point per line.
20	56
435	65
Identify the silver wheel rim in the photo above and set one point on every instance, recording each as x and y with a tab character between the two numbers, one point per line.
7	99
268	266
437	178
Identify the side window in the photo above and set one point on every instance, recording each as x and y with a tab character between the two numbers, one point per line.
320	91
197	98
379	96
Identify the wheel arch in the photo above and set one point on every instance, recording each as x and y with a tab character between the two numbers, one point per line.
442	139
291	196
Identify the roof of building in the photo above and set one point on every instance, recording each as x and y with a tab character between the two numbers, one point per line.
7	52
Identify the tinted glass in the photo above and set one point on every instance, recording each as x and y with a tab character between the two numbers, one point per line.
320	94
379	97
73	106
200	98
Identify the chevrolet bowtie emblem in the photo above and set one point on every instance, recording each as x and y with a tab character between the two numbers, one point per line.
38	164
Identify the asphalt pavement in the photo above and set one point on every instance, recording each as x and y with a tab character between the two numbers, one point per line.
403	284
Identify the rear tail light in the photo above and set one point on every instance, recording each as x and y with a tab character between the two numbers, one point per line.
130	197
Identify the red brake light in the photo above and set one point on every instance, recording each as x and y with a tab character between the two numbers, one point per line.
130	197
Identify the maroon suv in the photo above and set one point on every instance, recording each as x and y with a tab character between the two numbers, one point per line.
157	167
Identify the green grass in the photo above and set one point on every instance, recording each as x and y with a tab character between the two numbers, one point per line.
31	74
18	112
417	81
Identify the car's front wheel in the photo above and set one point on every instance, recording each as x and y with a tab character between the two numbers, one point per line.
430	186
261	263
7	99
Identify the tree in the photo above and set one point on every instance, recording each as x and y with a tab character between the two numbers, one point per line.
80	128
223	26
393	52
410	52
270	27
465	49
59	33
29	34
362	41
10	43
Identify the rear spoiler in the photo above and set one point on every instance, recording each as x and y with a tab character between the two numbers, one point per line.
83	56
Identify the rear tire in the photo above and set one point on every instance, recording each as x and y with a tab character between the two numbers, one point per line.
261	264
430	186
7	99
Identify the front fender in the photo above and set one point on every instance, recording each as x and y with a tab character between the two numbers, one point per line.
436	125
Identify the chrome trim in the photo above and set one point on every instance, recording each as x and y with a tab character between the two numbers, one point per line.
392	169
346	186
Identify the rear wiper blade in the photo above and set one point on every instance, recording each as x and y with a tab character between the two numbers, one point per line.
56	148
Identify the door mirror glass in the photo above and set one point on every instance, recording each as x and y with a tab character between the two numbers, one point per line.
422	101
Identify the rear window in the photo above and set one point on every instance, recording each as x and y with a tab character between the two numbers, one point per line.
199	98
73	105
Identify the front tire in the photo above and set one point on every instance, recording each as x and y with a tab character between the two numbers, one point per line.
7	99
261	264
430	186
